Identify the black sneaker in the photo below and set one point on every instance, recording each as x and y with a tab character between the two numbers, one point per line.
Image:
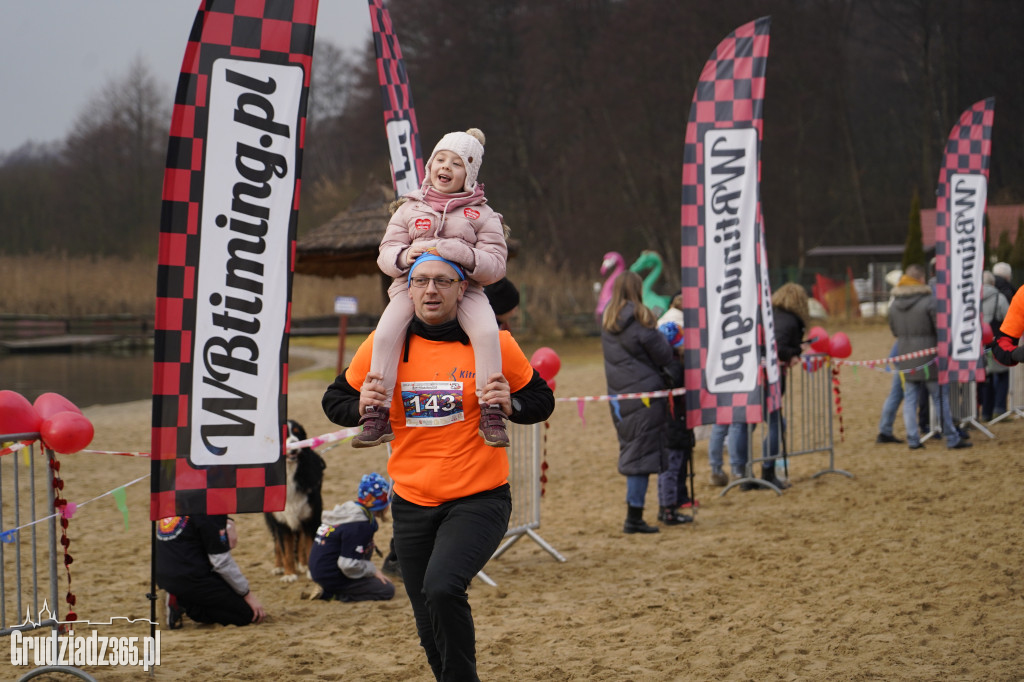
673	517
391	567
961	444
885	438
919	446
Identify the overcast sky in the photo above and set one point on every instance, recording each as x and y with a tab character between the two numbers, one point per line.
56	54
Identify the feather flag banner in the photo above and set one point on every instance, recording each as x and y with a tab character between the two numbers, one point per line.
399	116
226	257
961	195
722	229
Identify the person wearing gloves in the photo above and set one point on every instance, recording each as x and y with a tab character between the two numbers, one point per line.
341	561
1006	346
195	567
449	217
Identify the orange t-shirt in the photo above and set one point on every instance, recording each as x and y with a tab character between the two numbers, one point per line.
438	454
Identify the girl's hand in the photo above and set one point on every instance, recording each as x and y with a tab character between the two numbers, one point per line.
497	392
412	253
371	392
417	249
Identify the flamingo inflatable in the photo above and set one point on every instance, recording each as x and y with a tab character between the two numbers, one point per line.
614	262
650	260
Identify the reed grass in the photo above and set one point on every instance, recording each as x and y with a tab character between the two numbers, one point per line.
67	286
554	302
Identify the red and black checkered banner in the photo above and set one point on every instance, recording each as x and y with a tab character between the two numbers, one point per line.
226	257
724	270
399	116
960	244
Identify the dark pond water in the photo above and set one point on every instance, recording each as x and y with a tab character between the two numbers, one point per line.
93	378
83	378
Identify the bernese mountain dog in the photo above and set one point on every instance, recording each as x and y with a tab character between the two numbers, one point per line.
294	528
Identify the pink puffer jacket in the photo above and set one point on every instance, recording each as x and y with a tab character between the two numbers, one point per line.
471	236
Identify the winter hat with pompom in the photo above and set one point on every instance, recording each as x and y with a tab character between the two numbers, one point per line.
469	146
373	492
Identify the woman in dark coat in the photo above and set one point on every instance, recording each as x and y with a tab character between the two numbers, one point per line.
791	313
634	352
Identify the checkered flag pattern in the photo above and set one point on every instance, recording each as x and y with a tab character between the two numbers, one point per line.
272	31
399	115
729	94
968	151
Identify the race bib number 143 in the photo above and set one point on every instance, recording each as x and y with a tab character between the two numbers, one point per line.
432	403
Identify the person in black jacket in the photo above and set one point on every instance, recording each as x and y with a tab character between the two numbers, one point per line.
791	313
634	353
194	565
504	299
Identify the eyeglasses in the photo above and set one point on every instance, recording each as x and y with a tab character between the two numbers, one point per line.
439	282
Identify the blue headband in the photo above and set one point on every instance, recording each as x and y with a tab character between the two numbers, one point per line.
427	256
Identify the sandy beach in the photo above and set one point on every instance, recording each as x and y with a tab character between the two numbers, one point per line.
910	570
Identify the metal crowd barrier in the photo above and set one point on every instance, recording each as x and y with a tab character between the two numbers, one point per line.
23	504
524	464
1015	397
28	579
963	405
807	420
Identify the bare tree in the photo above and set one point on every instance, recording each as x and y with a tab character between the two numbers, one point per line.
112	167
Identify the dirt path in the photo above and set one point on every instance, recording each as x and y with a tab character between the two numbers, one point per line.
909	571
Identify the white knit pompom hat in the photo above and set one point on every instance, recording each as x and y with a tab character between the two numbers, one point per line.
469	146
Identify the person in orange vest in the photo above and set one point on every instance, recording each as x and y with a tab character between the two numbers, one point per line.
1005	346
451	497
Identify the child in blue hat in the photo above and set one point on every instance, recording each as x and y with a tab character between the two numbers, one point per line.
341	561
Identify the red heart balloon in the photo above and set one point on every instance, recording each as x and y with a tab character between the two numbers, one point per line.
986	334
546	362
819	339
17	414
839	346
49	404
66	432
551	384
